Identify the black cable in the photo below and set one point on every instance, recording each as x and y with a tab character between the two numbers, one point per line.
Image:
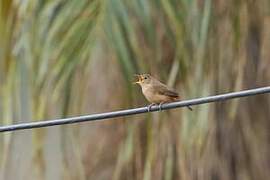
114	114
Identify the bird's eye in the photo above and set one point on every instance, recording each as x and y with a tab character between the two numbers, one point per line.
145	77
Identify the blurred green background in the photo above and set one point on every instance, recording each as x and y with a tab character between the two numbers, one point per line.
62	58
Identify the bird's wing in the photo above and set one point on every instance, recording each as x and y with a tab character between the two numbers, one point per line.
162	89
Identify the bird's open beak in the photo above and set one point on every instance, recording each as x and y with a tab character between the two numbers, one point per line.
139	79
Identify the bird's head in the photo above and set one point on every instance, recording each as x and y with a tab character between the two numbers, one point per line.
143	79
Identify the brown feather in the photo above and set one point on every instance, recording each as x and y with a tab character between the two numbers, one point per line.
163	90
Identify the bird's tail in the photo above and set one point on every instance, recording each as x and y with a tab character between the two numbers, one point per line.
178	99
189	108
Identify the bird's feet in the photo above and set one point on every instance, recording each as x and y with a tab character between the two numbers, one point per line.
160	106
149	106
152	104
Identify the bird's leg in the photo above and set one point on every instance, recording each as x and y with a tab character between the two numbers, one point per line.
160	106
149	106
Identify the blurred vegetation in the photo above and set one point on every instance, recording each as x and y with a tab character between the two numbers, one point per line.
64	58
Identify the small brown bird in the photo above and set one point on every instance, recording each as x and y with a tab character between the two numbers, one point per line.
156	92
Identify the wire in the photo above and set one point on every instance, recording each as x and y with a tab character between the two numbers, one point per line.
114	114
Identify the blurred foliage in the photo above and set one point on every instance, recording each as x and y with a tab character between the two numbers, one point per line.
64	58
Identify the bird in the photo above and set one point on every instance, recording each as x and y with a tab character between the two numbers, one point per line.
155	91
